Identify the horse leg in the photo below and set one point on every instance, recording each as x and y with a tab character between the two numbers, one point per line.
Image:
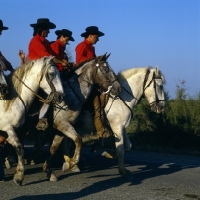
127	142
14	141
119	143
67	147
68	130
47	165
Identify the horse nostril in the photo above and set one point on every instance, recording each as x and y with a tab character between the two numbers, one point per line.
59	97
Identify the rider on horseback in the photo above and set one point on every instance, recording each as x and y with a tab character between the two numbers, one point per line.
85	51
63	37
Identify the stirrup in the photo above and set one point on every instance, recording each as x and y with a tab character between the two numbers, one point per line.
42	124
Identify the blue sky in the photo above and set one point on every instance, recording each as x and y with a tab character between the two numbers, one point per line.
138	33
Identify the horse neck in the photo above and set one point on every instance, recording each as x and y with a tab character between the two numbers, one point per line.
86	81
30	86
133	89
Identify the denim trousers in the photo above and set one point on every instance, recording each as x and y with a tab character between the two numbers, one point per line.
2	174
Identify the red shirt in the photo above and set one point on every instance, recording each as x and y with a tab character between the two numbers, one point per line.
59	49
38	48
84	51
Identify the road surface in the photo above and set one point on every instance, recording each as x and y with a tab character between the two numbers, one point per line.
158	176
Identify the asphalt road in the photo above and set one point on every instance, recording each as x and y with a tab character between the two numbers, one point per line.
158	176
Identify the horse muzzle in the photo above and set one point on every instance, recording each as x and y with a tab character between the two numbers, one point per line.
55	97
116	88
58	97
157	107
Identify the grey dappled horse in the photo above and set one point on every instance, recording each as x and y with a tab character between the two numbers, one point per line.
77	89
24	84
135	82
3	83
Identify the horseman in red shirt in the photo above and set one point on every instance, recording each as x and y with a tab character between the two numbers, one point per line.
85	51
63	37
39	46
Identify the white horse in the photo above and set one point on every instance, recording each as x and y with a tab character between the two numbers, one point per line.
135	82
24	84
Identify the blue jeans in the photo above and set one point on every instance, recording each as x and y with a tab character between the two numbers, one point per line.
2	174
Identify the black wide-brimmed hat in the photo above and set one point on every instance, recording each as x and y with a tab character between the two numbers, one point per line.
2	27
65	33
92	30
43	22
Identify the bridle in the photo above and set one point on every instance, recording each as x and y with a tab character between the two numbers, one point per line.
110	83
153	80
145	86
55	96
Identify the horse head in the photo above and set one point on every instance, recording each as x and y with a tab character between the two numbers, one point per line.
51	82
153	89
3	83
105	77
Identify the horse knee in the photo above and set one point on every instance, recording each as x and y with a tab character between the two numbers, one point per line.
78	140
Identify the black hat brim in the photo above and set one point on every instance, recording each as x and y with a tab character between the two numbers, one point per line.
50	25
4	28
71	39
99	33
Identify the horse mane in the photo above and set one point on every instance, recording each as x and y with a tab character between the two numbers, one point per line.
83	63
125	74
14	83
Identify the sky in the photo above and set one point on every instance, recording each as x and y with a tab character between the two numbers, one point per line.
138	33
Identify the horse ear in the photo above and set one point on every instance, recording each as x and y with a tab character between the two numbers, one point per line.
157	70
103	57
107	56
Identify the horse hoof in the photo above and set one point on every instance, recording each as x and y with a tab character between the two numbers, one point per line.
110	154
17	182
32	162
53	177
129	176
75	168
66	166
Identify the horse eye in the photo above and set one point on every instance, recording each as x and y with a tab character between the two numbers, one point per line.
105	67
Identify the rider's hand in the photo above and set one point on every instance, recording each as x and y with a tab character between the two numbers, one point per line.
21	54
2	140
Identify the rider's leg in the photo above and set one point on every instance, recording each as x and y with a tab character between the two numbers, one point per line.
98	117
